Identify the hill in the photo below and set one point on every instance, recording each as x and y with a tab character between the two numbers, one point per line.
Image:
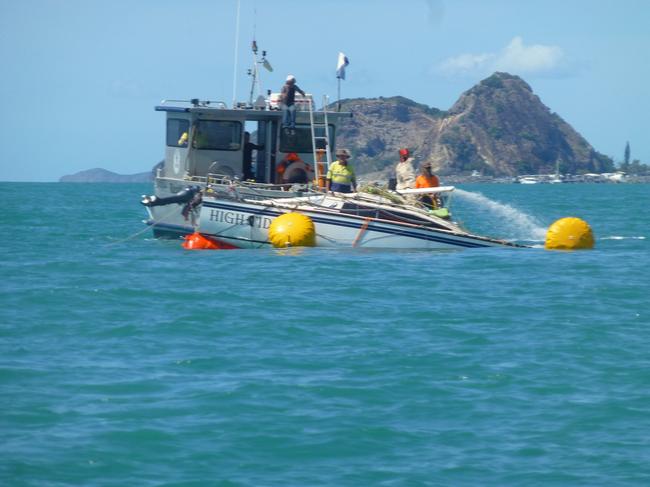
99	175
498	127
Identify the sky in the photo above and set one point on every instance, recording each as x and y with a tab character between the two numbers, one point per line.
80	78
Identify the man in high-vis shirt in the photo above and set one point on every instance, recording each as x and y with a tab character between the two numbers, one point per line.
340	176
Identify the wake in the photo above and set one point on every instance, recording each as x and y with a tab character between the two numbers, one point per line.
514	224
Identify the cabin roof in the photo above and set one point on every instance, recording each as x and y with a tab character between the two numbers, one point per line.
247	113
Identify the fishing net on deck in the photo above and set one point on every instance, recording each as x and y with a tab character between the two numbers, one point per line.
383	192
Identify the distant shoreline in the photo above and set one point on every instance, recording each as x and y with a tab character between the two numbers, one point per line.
99	175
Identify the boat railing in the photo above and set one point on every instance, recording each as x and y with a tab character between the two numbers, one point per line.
302	103
195	102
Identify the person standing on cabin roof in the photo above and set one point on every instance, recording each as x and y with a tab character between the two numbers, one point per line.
340	176
404	171
287	102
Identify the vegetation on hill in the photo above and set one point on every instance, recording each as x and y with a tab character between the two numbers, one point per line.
636	167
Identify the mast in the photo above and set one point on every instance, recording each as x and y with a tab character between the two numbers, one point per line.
254	72
234	74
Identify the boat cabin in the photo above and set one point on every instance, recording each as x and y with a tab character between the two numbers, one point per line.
206	139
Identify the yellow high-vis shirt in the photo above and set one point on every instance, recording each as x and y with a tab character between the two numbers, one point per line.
341	174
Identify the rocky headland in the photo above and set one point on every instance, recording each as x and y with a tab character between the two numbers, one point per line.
499	128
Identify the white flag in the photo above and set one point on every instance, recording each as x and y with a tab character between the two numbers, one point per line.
340	66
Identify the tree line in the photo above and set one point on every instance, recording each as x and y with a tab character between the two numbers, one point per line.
635	167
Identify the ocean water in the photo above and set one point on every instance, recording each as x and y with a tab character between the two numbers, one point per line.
128	361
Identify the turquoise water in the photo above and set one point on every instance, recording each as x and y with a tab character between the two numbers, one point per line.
126	360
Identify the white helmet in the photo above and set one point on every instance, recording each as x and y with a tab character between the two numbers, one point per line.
291	77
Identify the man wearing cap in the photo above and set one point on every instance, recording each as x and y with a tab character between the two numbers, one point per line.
404	171
340	176
287	100
427	179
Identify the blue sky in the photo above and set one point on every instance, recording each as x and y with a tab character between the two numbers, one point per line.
80	78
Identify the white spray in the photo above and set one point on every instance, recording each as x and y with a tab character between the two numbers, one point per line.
516	223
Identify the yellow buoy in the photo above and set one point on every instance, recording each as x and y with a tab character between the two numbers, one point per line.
569	234
292	230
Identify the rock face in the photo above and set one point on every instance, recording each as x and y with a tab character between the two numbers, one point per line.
99	175
498	128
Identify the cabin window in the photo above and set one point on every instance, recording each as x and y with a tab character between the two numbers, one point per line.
217	135
178	130
300	140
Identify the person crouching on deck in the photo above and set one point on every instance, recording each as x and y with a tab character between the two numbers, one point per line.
340	176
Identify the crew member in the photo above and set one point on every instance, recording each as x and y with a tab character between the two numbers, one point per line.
426	179
287	102
404	171
289	159
249	147
340	176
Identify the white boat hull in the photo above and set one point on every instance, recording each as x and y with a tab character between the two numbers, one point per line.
246	225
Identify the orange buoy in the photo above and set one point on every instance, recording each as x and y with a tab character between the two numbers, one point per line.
197	241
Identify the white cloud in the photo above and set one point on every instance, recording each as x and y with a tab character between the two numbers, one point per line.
466	63
530	59
515	58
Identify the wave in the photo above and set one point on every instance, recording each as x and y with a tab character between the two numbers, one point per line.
619	237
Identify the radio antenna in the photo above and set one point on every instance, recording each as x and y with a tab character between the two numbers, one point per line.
234	74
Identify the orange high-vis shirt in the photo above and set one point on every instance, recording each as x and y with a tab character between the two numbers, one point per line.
427	181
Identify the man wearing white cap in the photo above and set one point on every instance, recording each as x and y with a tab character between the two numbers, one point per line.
287	100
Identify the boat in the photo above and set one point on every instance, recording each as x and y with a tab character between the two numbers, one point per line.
528	180
557	177
209	183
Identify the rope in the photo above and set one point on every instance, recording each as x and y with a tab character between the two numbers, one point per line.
139	232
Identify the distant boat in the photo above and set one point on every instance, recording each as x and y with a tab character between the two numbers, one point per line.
527	180
617	177
556	178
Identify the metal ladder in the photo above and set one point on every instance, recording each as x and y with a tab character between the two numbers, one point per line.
326	137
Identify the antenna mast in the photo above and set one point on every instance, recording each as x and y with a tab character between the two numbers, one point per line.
254	72
234	74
